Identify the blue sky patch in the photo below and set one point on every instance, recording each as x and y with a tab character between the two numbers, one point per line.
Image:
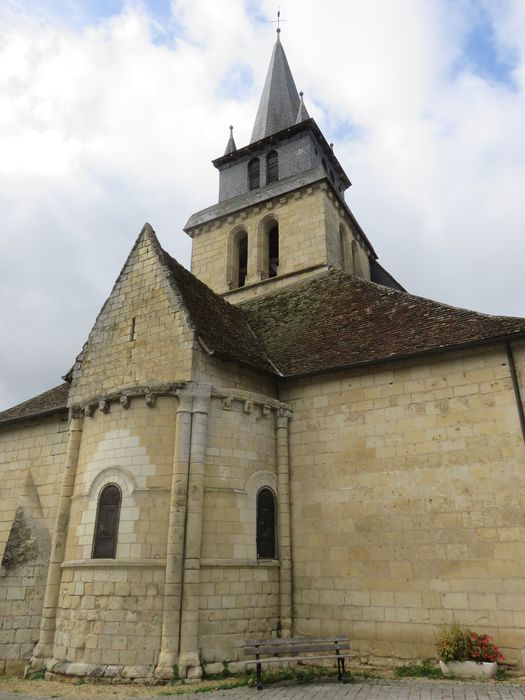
484	56
238	82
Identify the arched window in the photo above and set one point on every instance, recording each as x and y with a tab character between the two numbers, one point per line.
106	524
266	525
242	258
356	263
273	250
272	167
254	178
237	266
343	248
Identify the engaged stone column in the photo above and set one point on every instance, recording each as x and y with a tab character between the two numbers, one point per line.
189	660
169	646
283	523
44	648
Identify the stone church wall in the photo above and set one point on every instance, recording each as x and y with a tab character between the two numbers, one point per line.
31	464
140	336
239	595
111	611
302	243
407	503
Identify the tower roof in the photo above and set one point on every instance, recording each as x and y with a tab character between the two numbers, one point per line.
280	101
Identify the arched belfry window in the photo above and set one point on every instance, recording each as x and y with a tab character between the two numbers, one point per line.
266	525
343	248
242	258
237	259
272	167
106	524
356	263
273	250
254	176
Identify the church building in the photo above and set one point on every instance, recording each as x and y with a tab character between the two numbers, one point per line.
283	441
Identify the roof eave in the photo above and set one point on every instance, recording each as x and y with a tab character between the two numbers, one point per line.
33	416
495	340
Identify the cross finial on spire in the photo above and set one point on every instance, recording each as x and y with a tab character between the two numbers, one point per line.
278	21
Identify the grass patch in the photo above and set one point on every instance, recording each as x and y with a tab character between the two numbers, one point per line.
365	676
425	669
503	674
36	675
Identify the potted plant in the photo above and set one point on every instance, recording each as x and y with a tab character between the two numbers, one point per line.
468	654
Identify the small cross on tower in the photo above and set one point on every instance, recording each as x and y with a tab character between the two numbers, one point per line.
278	21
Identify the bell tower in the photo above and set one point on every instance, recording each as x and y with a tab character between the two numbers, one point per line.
281	214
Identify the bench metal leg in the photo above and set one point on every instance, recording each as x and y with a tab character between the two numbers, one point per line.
341	674
259	677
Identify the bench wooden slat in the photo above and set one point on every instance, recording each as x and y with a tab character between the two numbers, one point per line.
291	648
277	659
294	640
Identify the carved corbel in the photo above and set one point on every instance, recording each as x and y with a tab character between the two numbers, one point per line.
150	399
103	405
247	406
227	404
125	401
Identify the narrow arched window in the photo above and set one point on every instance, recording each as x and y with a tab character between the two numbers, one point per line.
343	248
254	178
272	167
266	525
356	263
273	250
106	524
242	258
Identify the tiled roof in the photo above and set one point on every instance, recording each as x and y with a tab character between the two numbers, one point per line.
221	326
338	320
51	400
331	321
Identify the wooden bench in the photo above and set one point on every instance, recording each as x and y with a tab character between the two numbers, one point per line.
272	651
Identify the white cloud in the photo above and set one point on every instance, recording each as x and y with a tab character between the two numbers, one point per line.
103	127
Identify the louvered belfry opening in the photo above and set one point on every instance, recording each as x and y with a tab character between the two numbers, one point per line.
106	525
254	174
266	525
272	167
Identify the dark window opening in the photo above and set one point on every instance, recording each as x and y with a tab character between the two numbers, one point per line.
266	525
242	252
272	167
106	525
254	177
273	251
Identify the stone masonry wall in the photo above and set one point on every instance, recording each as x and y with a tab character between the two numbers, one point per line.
140	336
407	503
31	464
239	594
110	612
110	615
301	237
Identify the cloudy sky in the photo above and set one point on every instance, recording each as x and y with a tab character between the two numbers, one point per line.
110	112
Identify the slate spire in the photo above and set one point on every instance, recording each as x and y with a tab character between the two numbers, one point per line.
230	146
279	105
302	114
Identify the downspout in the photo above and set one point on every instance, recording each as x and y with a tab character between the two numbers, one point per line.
516	386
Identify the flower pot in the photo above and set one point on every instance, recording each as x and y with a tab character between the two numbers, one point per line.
469	669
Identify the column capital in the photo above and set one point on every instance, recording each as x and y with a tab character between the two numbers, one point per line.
283	416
